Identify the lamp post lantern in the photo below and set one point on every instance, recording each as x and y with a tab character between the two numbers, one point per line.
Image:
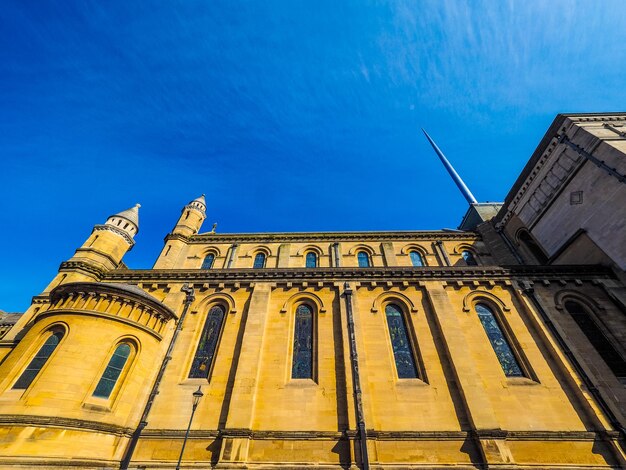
197	395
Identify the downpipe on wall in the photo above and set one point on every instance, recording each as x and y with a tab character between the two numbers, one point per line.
143	422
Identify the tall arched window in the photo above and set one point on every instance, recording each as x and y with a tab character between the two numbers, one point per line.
400	342
468	256
416	259
259	261
302	365
38	361
499	343
532	246
208	261
113	371
311	260
203	360
597	338
363	259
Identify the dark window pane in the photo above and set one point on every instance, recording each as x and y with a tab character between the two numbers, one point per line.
500	345
311	260
112	371
38	361
416	259
402	350
596	337
201	365
208	261
259	261
364	259
302	367
469	258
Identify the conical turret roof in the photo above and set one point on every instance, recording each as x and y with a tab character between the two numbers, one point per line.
132	215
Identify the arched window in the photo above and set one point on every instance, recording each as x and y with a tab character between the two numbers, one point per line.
259	261
203	360
532	246
302	365
400	342
363	259
468	256
311	260
208	261
416	259
597	338
38	361
499	343
113	371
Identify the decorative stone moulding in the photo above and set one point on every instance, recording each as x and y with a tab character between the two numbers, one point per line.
125	303
118	231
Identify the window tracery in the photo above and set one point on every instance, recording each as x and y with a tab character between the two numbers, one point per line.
400	342
499	342
303	337
207	346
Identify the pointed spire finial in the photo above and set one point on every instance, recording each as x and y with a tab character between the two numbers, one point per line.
467	194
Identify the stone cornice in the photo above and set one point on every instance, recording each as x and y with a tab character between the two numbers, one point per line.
128	292
81	266
366	274
118	231
330	237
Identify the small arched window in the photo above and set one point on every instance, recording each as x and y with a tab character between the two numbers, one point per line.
363	259
400	342
499	343
113	371
597	338
469	258
208	261
416	259
38	361
259	261
311	260
302	365
207	346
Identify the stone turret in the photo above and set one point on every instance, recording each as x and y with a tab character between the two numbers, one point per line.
191	218
103	250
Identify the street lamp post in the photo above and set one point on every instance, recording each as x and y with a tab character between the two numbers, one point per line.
196	399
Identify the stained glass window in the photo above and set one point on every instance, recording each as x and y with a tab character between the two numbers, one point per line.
499	343
402	350
38	361
416	259
364	259
113	371
259	261
208	261
202	361
302	367
469	258
597	338
311	260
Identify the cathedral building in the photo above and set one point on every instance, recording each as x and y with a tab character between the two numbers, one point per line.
498	345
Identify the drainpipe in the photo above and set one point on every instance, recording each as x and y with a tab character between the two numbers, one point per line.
143	422
356	381
530	292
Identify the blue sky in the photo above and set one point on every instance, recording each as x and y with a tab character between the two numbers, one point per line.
290	116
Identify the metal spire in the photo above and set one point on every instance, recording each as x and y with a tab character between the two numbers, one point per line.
467	194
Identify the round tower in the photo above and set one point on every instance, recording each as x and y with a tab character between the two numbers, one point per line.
102	251
191	218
